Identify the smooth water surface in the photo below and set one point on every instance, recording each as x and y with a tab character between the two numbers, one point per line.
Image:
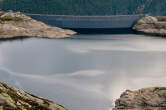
86	72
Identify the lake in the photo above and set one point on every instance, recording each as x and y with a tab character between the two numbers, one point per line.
85	72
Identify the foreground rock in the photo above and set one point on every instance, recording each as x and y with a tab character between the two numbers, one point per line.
14	99
151	25
143	99
19	25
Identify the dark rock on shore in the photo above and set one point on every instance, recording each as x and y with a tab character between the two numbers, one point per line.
15	99
143	99
19	25
151	25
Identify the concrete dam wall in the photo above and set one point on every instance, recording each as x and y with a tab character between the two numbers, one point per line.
88	22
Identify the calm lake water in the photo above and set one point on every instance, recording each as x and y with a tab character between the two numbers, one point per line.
85	72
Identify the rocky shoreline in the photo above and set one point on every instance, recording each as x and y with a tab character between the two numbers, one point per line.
16	24
15	99
151	25
144	99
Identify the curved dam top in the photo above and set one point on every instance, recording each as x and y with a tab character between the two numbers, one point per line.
88	22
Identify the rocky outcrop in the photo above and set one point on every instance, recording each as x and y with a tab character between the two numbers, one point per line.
19	25
143	99
15	99
151	25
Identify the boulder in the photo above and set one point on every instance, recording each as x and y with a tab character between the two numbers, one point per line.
15	99
144	99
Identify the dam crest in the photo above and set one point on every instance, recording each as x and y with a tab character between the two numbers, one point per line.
88	22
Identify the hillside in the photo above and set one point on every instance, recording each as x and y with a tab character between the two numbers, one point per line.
15	99
86	7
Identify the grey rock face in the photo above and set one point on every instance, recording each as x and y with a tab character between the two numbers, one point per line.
15	99
151	25
19	25
143	99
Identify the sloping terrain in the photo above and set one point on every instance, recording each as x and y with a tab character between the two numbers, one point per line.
15	99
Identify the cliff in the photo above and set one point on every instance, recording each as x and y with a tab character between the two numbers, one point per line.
15	99
19	25
144	99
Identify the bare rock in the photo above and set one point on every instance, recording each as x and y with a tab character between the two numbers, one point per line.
15	99
147	20
143	99
151	25
161	18
19	25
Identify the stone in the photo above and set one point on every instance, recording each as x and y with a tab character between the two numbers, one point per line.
144	99
147	20
151	25
15	99
6	100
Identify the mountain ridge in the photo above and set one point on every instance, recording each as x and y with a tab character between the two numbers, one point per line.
86	7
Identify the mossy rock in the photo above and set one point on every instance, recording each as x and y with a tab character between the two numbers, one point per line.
10	18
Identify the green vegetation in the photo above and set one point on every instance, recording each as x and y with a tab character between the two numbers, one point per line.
13	17
86	7
6	18
161	91
10	18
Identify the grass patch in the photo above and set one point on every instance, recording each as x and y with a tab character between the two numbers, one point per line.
159	89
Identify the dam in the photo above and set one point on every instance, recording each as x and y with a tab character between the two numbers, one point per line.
88	22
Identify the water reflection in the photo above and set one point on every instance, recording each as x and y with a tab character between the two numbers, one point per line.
84	73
